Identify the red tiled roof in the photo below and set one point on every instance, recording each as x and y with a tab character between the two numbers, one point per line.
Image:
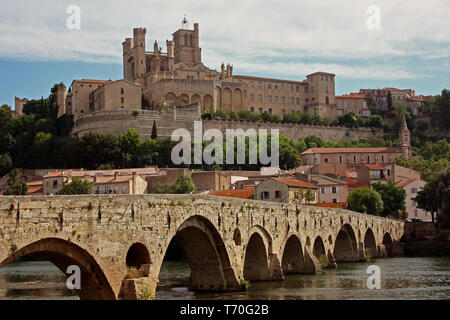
402	184
56	174
238	193
375	166
352	96
342	205
35	183
296	183
91	80
351	150
35	190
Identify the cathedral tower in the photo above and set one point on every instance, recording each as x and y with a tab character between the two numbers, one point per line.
187	46
405	138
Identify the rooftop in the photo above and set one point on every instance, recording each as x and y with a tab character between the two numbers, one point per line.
296	183
351	150
238	193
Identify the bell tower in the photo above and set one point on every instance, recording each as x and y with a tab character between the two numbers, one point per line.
186	44
405	138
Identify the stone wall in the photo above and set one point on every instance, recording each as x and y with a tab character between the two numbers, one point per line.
116	122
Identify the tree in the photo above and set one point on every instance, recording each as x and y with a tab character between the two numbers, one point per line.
76	186
5	164
154	132
16	187
393	199
183	185
365	200
389	101
434	197
443	108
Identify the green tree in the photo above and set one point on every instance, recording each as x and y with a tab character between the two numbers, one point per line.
154	132
76	186
434	197
393	199
183	185
389	101
15	186
365	200
5	164
443	108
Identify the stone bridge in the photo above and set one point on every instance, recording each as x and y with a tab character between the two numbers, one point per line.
225	240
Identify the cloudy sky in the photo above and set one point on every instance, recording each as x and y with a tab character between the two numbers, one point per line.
282	39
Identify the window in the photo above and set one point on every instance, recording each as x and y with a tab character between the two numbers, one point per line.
55	183
276	99
124	189
251	84
260	85
245	93
292	100
297	101
354	159
335	190
116	190
269	99
252	97
275	86
252	109
382	158
260	98
122	100
388	172
282	100
323	190
325	160
122	91
107	189
413	190
269	85
97	190
265	195
340	159
277	194
415	213
260	110
297	88
282	86
368	159
306	89
335	200
292	87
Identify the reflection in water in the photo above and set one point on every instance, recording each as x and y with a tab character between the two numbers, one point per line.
33	280
401	278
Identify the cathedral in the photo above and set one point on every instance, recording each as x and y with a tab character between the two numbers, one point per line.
178	76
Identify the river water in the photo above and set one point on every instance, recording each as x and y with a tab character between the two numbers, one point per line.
401	278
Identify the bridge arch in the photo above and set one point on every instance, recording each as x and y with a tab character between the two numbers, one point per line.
388	243
318	248
207	255
63	253
257	251
137	255
370	243
293	260
345	246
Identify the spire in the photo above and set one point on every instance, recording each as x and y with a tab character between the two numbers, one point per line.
404	125
155	47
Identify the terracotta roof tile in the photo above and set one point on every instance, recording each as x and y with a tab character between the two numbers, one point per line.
350	150
296	183
238	193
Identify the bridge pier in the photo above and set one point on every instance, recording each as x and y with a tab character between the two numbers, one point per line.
143	288
275	270
312	265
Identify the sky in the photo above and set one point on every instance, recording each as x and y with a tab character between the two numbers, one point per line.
366	43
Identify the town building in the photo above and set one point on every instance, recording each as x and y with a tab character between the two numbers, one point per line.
353	102
287	191
240	194
117	95
411	187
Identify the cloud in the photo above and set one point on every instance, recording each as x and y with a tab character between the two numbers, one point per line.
248	34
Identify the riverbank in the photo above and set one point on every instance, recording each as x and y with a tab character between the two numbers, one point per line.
426	248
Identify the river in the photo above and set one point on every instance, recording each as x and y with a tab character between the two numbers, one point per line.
401	278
